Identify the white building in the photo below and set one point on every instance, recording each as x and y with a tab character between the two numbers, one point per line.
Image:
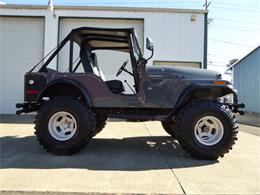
29	32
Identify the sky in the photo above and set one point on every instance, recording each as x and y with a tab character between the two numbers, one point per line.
233	31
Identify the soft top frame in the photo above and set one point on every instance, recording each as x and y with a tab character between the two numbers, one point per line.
97	38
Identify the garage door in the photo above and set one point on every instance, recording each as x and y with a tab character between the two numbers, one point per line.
107	60
21	46
178	64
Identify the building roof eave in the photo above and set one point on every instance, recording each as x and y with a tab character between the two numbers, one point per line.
241	59
106	8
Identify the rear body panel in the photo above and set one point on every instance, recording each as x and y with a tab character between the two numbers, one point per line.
34	83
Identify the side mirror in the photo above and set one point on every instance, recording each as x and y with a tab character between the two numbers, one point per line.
149	44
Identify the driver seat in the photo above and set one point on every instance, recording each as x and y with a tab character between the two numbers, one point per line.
116	86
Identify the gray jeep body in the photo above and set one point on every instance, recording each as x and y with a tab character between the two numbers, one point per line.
159	92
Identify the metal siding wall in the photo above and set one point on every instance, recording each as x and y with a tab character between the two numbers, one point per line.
21	46
247	81
176	37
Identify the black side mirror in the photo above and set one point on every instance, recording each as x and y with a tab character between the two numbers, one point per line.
149	44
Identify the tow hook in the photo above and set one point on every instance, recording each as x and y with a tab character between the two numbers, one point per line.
26	108
236	106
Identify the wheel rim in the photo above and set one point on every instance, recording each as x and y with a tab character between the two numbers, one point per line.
62	126
209	130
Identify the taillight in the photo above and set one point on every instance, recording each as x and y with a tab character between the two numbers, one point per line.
32	91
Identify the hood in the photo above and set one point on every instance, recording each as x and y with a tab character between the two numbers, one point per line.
182	72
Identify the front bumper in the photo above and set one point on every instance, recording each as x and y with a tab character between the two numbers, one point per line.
235	106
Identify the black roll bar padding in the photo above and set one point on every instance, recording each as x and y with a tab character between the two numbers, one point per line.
71	53
76	67
84	58
55	53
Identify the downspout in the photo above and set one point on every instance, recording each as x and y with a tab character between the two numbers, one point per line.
205	60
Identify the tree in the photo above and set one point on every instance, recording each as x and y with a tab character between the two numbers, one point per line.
232	61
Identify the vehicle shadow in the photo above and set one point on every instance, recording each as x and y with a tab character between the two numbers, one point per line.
128	154
15	119
29	119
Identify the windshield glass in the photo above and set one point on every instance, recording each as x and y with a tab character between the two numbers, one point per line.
136	49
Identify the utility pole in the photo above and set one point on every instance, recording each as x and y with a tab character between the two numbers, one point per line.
50	8
50	5
206	22
206	4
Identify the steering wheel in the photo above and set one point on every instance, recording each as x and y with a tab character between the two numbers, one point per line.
122	68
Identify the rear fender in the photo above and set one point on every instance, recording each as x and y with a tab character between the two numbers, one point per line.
63	85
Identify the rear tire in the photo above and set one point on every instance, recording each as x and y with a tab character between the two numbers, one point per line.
206	129
64	125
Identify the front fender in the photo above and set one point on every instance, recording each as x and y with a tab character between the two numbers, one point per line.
204	91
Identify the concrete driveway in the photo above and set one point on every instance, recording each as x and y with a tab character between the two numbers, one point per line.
125	158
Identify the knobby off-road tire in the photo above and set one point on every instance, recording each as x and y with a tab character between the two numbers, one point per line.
169	127
100	124
198	118
64	125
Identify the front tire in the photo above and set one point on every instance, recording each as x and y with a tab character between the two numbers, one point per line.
64	125
206	129
169	127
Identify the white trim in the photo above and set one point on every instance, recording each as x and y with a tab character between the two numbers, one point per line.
105	8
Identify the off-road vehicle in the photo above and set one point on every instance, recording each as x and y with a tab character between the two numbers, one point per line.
73	106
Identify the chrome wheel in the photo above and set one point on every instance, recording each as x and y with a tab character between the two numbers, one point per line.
209	130
62	126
